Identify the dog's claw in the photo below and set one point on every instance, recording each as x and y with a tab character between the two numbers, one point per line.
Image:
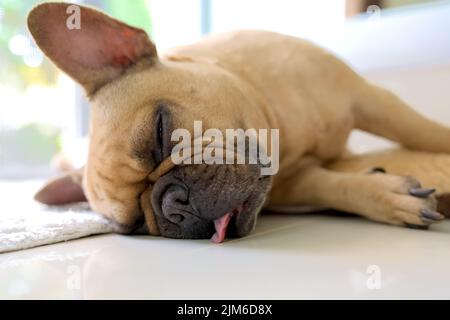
377	170
416	226
431	215
421	193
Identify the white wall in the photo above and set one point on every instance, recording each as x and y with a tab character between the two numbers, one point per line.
303	18
406	51
175	22
399	38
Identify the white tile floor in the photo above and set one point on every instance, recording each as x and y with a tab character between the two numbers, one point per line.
287	257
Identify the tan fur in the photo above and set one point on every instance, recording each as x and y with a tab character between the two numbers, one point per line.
315	100
266	80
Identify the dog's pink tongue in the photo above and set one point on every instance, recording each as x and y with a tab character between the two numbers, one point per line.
221	225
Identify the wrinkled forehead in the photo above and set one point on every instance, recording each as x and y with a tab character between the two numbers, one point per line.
136	90
194	87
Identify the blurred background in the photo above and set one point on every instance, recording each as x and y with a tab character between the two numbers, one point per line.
402	44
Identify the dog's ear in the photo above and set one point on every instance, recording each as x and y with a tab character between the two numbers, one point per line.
63	190
88	45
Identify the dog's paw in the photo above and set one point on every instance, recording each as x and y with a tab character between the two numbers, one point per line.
402	201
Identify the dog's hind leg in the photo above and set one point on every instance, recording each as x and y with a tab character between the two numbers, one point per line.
431	169
380	112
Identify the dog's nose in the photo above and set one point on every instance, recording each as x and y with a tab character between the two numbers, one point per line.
175	204
176	211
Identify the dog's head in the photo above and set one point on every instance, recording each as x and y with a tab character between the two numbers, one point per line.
137	100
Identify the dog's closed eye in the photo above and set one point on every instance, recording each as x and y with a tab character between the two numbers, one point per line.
151	140
161	133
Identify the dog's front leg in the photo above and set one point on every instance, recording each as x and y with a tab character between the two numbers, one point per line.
381	197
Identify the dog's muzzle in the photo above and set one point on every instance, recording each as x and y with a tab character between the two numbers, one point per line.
198	201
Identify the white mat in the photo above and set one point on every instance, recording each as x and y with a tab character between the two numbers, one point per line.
26	224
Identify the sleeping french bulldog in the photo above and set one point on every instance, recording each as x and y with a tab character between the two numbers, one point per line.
243	79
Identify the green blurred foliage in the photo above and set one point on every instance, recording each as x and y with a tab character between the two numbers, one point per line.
14	71
37	143
135	12
13	13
